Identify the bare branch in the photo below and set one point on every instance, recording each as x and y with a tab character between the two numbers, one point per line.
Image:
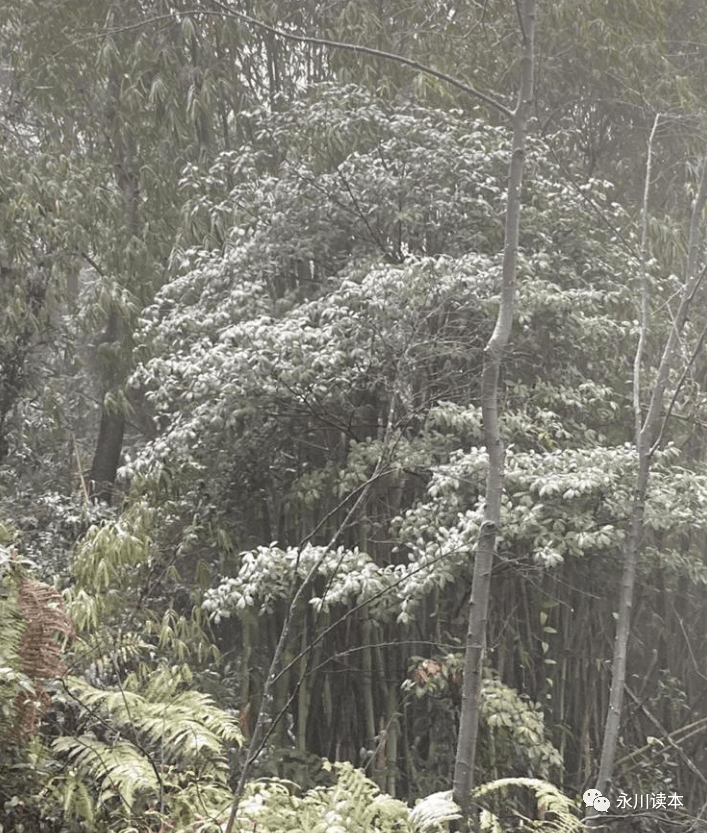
681	382
637	416
519	16
366	50
224	10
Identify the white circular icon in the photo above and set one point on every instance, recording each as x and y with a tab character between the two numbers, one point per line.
601	803
590	796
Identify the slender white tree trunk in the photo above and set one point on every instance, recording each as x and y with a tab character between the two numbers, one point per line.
649	431
493	354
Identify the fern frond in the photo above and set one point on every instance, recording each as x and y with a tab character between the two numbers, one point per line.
553	802
489	823
13	680
187	726
109	650
120	769
352	804
432	812
74	798
31	618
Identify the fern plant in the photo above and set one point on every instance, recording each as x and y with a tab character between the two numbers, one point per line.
557	811
354	804
351	804
31	619
145	743
147	750
14	681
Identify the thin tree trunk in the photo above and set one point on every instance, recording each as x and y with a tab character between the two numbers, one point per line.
486	544
649	432
109	443
106	456
15	351
112	426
